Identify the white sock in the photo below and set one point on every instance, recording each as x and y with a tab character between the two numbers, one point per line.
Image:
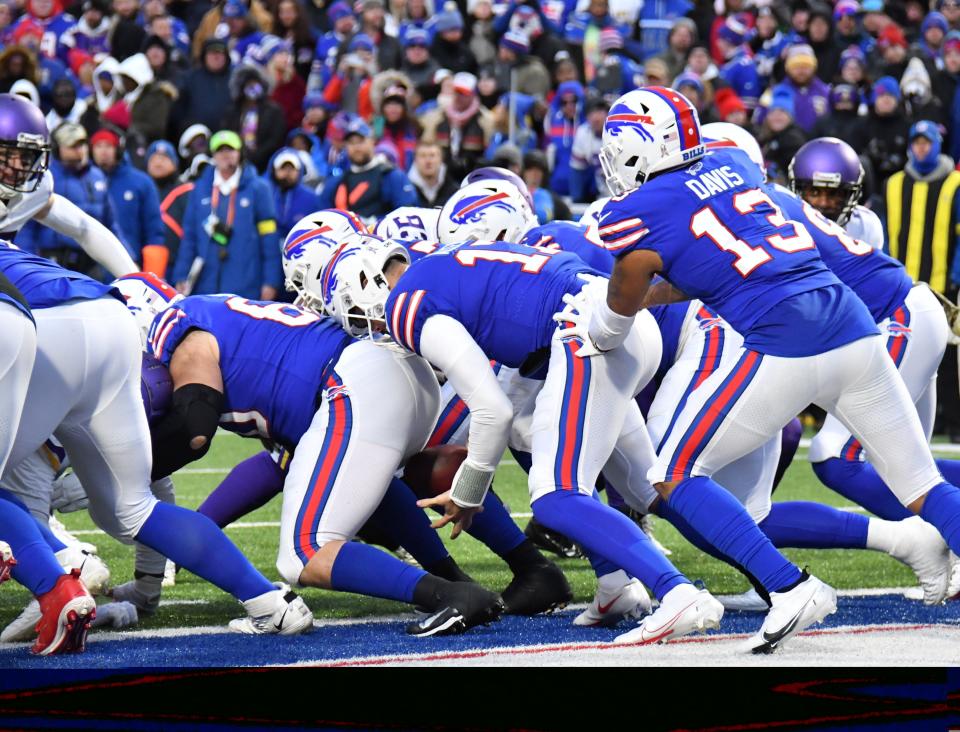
264	604
882	535
613	580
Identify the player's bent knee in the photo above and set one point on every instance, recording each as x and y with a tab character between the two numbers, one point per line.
666	488
319	569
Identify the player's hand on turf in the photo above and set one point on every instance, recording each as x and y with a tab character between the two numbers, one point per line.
460	517
577	325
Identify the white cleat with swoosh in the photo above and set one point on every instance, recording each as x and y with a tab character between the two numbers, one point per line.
280	611
809	602
683	610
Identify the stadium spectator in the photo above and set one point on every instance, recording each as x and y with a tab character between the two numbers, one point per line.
44	20
145	108
372	23
430	176
163	168
290	22
820	36
417	64
849	32
17	62
682	36
844	120
448	48
204	91
194	141
126	34
951	11
947	86
932	32
462	127
287	87
481	30
730	108
738	70
327	52
918	100
229	229
243	33
779	136
586	179
158	54
509	157
369	186
516	70
811	96
258	120
83	184
893	46
617	72
582	30
349	88
395	124
134	200
566	113
547	205
853	69
66	107
291	199
767	44
885	130
157	21
210	25
90	34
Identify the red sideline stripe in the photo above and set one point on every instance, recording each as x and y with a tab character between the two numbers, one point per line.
559	647
567	459
322	484
713	413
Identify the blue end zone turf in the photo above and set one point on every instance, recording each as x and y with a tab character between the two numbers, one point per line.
351	641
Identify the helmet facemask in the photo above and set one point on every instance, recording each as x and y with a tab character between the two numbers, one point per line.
23	163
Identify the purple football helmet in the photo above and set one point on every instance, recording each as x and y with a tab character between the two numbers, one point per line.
24	145
827	174
492	172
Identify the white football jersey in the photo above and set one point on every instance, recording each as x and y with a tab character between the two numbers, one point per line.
865	225
24	206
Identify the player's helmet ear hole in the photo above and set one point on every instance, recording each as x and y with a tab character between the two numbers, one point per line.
632	160
363	281
502	235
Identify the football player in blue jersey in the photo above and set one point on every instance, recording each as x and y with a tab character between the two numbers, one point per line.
351	413
467	304
707	224
85	390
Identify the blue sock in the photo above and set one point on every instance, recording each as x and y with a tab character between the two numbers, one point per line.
494	527
724	522
366	570
606	532
191	540
600	565
665	511
808	525
942	509
399	517
860	483
950	470
48	536
36	569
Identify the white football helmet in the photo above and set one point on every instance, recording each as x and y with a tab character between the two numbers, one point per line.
306	249
647	131
352	285
492	210
731	133
409	223
590	216
147	296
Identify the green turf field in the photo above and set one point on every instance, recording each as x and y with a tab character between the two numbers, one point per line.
195	602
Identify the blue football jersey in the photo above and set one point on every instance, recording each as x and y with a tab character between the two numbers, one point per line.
274	359
45	284
418	249
876	278
723	241
504	294
566	236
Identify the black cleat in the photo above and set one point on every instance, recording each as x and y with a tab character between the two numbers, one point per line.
458	607
552	541
539	589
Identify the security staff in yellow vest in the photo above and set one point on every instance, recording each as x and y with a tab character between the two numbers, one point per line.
922	231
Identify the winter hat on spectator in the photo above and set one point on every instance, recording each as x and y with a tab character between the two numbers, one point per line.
733	31
516	42
337	11
853	53
925	128
930	130
104	134
845	7
77	58
361	42
312	100
951	42
163	147
799	55
885	85
891	35
416	37
934	20
688	79
844	96
728	102
357	126
234	9
872	6
465	83
782	99
448	20
610	39
915	81
189	135
286	156
389	151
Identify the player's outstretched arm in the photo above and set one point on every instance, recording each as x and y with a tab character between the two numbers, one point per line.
95	239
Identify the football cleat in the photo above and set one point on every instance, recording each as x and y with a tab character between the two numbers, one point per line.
60	531
169	574
920	546
746	602
7	562
66	612
94	573
683	610
551	541
24	626
793	611
459	606
621	596
279	611
537	589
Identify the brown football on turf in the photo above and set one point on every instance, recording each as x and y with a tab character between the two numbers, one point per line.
430	473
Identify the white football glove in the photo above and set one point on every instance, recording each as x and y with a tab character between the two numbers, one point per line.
68	494
577	325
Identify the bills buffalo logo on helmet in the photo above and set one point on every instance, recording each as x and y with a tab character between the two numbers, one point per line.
470	210
621	117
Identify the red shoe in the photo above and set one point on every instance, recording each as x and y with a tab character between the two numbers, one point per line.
66	610
7	562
